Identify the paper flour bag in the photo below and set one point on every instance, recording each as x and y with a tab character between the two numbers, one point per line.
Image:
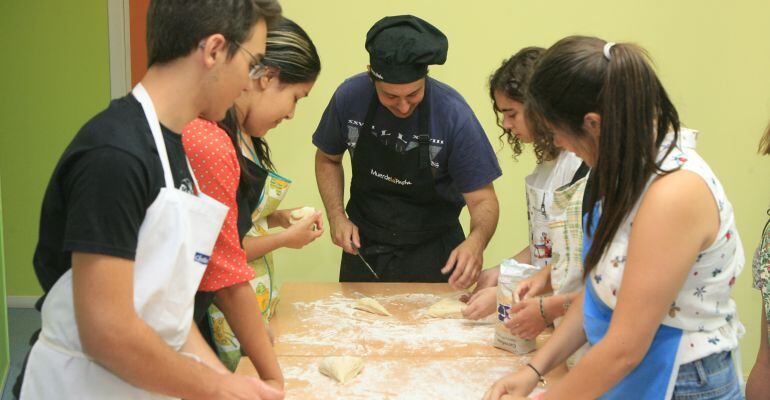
511	273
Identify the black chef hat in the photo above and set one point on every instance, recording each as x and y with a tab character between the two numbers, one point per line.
401	48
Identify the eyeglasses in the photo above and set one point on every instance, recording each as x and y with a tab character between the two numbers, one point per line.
258	69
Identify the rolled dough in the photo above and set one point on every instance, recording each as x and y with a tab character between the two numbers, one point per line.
371	305
342	368
447	308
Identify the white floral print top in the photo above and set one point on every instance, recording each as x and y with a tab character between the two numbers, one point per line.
703	308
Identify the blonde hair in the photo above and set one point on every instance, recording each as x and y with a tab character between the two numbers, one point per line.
290	50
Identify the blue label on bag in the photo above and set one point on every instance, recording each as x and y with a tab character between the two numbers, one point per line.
502	312
202	258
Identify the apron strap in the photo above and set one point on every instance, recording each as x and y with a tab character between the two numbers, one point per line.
192	175
581	172
423	138
242	139
369	119
424	142
140	93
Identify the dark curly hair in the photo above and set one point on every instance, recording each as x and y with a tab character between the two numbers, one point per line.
512	79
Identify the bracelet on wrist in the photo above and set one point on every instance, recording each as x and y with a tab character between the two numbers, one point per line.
540	377
542	310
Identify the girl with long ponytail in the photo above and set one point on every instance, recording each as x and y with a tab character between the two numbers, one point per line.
661	248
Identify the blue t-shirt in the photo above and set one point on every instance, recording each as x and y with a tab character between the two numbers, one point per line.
461	156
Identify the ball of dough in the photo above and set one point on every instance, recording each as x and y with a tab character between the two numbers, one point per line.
300	213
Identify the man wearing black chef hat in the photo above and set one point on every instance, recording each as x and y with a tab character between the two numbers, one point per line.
418	156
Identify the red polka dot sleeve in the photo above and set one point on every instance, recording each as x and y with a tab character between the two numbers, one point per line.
215	164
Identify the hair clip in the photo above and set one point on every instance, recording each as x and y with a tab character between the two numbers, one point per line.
607	48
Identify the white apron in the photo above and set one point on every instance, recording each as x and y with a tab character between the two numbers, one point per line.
540	187
566	229
173	248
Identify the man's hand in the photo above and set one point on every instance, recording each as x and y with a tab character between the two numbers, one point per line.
345	233
465	262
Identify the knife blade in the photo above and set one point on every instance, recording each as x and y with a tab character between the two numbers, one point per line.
363	260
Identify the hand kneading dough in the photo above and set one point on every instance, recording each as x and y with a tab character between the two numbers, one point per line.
341	369
371	305
447	308
300	213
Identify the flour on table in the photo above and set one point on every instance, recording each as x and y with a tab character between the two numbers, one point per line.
333	322
449	378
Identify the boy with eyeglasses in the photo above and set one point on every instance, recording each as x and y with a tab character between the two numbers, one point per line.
125	234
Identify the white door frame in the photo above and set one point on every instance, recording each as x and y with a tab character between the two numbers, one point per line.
120	47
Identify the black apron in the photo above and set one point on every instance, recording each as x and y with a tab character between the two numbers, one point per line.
407	229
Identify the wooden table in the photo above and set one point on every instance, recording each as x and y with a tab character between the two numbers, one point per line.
406	356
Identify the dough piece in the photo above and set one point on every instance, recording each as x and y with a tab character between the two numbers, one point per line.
300	213
371	305
447	308
341	369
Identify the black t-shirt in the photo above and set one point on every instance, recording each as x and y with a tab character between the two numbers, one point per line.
101	189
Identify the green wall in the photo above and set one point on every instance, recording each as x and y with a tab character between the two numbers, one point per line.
712	56
54	76
4	356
